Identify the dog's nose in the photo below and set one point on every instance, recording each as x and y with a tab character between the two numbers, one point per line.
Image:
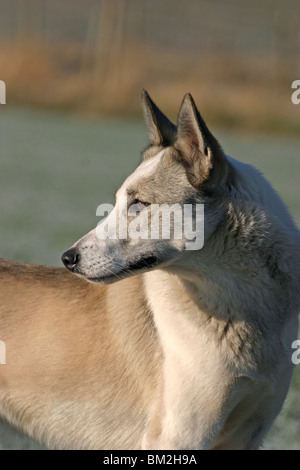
70	258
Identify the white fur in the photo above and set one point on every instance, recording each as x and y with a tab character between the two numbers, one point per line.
146	168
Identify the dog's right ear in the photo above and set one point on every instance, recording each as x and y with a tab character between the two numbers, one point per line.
160	129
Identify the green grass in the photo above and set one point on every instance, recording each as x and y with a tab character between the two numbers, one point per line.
54	172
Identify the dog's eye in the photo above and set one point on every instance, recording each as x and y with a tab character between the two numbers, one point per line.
137	206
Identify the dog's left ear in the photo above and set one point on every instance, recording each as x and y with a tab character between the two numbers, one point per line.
199	151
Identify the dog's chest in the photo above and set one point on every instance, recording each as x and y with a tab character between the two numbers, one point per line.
186	347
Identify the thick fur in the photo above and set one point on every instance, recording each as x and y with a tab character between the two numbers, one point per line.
194	353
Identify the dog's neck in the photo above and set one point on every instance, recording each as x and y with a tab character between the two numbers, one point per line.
178	293
191	350
179	312
198	321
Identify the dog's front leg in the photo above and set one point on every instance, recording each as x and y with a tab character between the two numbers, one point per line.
191	414
155	438
184	416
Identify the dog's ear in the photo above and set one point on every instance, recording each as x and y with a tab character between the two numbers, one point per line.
161	130
199	151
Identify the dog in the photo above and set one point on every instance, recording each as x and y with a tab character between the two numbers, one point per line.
153	343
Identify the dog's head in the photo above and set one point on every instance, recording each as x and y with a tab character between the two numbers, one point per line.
159	212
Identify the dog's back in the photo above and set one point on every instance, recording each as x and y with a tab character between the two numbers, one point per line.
81	359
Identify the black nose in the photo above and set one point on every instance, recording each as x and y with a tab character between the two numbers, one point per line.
70	258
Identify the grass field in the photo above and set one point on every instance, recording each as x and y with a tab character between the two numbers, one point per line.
54	172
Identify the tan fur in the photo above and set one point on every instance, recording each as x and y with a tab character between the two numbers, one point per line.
81	359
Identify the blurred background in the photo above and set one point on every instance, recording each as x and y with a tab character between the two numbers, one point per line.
72	127
237	57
